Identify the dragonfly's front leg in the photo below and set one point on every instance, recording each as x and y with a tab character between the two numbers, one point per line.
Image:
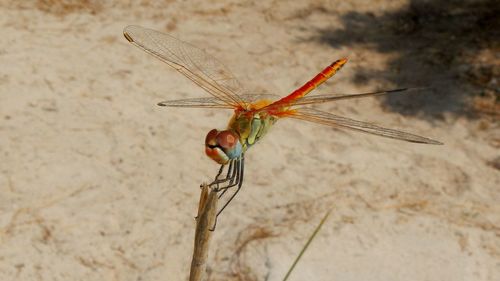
231	172
229	177
219	173
234	179
237	180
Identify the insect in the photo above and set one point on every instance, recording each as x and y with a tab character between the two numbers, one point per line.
253	114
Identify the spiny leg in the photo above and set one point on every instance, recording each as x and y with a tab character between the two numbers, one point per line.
236	173
229	169
234	177
219	173
238	182
229	176
216	177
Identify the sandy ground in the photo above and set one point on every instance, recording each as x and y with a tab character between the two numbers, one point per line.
98	183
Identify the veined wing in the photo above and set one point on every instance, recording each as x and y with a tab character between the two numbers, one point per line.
208	102
213	102
317	116
200	67
314	99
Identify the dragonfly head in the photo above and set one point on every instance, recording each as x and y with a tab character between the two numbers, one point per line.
222	146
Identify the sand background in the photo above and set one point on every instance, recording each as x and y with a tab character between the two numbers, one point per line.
98	183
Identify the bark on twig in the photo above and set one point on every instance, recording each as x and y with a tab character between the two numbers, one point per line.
207	210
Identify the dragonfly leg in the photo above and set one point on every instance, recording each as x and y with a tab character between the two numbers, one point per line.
230	169
230	176
239	182
219	173
217	181
234	177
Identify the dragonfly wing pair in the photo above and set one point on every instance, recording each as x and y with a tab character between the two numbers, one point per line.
226	92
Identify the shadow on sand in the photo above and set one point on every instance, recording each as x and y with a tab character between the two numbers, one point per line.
451	46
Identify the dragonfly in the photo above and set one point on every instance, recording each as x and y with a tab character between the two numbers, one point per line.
253	114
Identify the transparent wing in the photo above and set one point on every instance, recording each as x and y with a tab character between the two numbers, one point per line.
208	102
213	102
200	67
321	117
314	99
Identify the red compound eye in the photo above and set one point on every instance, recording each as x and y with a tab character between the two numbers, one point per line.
222	146
211	139
227	139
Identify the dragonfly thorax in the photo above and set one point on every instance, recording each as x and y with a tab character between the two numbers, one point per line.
222	146
251	126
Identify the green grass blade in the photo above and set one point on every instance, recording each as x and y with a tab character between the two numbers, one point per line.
307	245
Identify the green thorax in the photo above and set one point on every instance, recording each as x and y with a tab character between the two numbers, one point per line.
251	126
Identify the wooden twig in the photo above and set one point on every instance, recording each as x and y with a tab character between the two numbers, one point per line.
207	210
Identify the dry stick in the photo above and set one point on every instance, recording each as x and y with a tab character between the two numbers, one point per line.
207	209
